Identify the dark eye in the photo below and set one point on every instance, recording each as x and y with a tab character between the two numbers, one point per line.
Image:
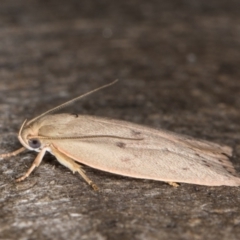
34	143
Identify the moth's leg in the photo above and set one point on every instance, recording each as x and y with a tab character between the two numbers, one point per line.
173	184
35	164
14	153
85	177
74	167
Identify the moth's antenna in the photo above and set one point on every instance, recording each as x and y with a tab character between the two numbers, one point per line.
69	102
82	137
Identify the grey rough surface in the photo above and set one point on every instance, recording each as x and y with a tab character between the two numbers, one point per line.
178	62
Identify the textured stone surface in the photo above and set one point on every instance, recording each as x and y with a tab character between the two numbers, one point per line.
178	62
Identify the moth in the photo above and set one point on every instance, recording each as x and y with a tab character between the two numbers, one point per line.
124	148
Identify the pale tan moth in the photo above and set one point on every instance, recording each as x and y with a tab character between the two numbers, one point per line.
124	148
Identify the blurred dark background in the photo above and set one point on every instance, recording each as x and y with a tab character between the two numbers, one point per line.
178	66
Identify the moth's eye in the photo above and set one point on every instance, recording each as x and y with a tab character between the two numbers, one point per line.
34	143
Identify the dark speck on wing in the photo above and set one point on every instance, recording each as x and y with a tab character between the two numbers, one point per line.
126	159
121	144
136	133
74	114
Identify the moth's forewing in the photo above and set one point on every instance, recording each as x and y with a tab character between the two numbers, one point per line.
139	151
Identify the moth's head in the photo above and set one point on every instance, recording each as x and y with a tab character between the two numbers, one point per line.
28	136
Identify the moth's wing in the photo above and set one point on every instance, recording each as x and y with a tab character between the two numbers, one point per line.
153	154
